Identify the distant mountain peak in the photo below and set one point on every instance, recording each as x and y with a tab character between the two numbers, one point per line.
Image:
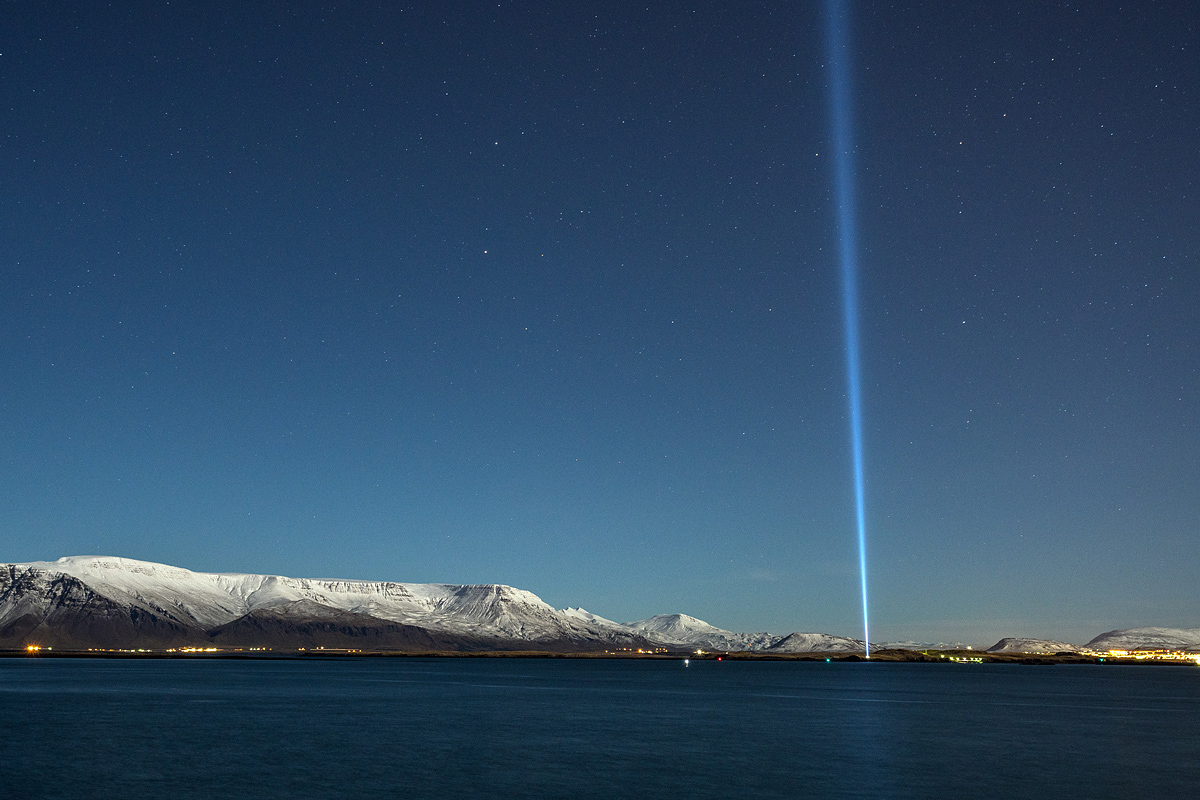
688	631
816	643
1015	644
1184	639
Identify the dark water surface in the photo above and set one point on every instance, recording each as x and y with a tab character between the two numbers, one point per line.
579	728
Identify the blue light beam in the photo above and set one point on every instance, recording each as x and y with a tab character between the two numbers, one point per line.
843	159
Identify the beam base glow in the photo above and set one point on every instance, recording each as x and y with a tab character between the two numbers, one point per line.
839	91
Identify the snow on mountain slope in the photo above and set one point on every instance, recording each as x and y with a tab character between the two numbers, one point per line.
503	610
195	598
587	616
816	643
206	600
58	610
1185	639
680	629
1014	644
308	624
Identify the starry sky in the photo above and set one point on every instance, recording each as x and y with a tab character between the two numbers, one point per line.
548	294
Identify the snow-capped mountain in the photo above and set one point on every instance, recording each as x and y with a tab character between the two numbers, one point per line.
691	632
1185	639
680	629
816	643
1014	644
119	602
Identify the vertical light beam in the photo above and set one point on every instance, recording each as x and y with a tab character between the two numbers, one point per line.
843	158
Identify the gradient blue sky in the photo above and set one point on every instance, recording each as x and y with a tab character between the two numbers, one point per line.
547	294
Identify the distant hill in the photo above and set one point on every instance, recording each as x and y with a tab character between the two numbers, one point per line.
680	629
911	645
815	643
1040	646
1185	639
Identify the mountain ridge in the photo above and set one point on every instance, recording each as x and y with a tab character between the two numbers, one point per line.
110	602
129	603
1148	638
1016	644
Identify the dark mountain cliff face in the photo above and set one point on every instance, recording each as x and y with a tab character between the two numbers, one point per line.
312	625
57	610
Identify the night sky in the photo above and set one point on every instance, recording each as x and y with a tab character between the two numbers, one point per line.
548	294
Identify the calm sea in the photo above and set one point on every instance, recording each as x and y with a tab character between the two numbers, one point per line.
410	727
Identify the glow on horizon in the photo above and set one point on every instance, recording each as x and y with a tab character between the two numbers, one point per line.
843	146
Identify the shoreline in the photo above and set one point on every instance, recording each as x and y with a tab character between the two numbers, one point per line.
955	657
